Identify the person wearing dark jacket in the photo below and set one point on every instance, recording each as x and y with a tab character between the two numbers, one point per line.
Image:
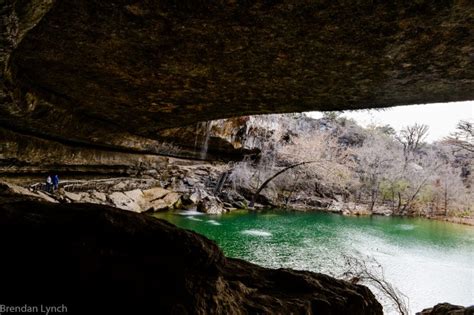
55	182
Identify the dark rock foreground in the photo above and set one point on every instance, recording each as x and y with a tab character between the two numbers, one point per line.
448	309
92	257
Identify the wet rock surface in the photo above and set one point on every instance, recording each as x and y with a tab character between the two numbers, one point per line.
101	258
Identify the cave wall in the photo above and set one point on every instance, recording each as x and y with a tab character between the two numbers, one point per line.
22	155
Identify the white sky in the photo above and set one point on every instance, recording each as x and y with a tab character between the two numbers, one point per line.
442	118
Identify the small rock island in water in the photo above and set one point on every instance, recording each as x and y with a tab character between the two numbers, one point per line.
120	119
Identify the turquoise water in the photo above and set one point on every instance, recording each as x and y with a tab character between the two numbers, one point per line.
428	261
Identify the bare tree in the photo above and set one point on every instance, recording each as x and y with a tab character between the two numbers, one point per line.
463	137
398	171
317	150
375	157
369	271
412	138
332	115
357	268
386	129
266	182
449	193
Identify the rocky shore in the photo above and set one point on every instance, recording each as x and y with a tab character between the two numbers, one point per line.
190	185
193	192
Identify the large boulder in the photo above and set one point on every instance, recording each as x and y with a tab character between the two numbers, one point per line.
447	309
7	188
348	208
100	196
166	202
123	201
72	196
93	257
135	200
210	205
155	193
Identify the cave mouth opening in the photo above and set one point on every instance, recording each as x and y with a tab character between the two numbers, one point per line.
120	76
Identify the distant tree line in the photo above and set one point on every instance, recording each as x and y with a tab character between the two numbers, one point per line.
375	166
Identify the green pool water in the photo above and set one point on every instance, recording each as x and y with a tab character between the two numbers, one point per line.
429	261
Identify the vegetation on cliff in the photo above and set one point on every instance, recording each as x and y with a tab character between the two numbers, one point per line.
355	169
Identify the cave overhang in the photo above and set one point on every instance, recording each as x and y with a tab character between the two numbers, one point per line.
95	71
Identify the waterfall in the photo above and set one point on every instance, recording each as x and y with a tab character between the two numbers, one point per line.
206	129
205	144
196	140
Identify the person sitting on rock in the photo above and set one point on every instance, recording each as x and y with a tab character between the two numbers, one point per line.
55	182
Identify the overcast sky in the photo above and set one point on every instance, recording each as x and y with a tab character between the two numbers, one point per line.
442	118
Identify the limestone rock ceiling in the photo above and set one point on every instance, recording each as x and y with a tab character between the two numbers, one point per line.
95	71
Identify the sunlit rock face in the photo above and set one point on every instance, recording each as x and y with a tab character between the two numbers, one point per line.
103	71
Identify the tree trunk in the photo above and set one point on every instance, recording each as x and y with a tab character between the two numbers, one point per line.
408	203
393	200
373	199
292	190
399	202
445	199
265	183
